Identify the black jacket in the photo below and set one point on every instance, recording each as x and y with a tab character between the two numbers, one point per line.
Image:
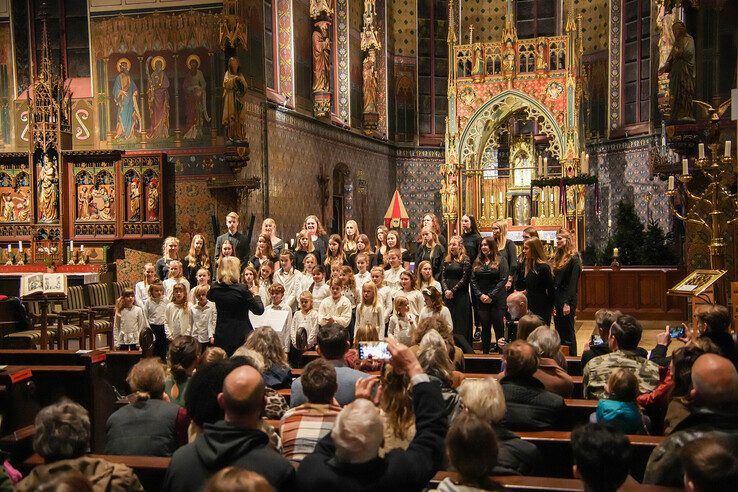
399	470
529	406
566	281
146	428
491	282
233	303
515	455
511	256
538	285
240	246
222	445
435	257
472	241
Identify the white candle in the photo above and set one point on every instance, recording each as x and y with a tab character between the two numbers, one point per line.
671	183
82	247
685	166
545	166
727	148
9	249
501	198
585	164
20	246
701	150
609	223
71	245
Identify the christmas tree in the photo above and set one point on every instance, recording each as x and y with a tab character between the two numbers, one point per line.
628	236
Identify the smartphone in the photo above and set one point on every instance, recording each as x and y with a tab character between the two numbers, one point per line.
374	351
597	340
676	331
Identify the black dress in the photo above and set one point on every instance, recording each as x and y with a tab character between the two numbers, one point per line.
566	281
510	255
162	268
435	257
539	287
472	242
321	247
233	303
490	281
455	277
190	273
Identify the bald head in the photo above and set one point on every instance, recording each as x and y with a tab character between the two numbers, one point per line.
714	380
243	394
517	305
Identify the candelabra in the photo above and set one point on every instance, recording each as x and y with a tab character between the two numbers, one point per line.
714	207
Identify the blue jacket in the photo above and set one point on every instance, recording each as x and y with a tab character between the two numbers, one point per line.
624	415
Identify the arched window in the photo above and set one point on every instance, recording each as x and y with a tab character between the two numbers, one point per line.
535	18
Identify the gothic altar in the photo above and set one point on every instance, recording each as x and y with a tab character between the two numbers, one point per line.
514	141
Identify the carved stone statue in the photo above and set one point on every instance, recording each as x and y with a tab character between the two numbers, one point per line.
680	67
665	21
371	84
234	94
321	57
48	200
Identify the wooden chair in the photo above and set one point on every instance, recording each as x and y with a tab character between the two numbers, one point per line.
28	337
102	312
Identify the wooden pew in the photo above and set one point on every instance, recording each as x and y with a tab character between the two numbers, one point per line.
118	364
150	470
78	376
552	484
578	385
18	407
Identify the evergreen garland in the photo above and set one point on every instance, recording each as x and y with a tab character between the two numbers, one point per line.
582	179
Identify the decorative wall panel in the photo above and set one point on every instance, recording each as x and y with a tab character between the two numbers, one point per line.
403	26
418	183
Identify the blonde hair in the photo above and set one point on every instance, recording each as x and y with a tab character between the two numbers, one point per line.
213	354
304	234
350	282
228	270
165	248
622	385
538	254
400	301
146	378
459	257
366	333
155	284
347	240
203	256
199	289
175	262
269	220
232	215
484	398
563	255
319	229
502	240
396	401
266	342
373	288
433	357
419	281
304	262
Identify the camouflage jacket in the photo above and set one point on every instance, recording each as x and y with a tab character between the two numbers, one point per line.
598	370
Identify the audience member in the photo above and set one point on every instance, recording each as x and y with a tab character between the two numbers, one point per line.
467	436
62	438
601	457
484	397
213	354
232	479
275	405
332	346
267	342
713	412
234	441
184	356
620	409
710	465
71	481
433	357
148	426
396	404
625	335
555	379
302	427
434	323
347	458
597	345
714	323
529	405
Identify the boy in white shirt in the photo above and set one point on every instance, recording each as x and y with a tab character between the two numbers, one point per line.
203	278
306	317
392	276
318	288
290	278
276	292
203	316
362	263
385	293
336	308
155	310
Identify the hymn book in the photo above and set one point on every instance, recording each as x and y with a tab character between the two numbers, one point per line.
43	283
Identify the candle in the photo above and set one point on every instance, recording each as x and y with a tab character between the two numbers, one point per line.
71	245
502	199
540	165
671	183
545	166
685	166
585	164
8	248
701	150
20	246
82	247
609	223
727	148
615	251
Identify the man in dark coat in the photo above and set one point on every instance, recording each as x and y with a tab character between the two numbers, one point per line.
234	441
237	239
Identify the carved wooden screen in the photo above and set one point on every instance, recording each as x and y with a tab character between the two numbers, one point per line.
93	196
16	196
141	212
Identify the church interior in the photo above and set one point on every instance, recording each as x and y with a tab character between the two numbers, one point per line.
127	123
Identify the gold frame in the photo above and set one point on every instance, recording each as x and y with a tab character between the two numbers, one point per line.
697	281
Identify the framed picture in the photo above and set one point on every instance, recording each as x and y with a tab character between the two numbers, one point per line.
696	283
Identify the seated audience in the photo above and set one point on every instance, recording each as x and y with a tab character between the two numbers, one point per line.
302	427
619	408
625	335
184	356
213	354
427	324
332	346
234	441
396	404
232	479
517	307
467	436
348	458
710	465
268	343
433	357
555	379
148	426
484	398
365	333
601	457
714	323
529	405
62	438
275	405
713	412
71	481
597	345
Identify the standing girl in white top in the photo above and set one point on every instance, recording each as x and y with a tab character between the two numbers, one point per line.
392	275
266	278
402	322
305	318
362	276
371	311
384	292
202	317
276	291
407	282
129	321
177	315
435	308
156	313
319	288
424	276
309	263
142	288
175	278
335	308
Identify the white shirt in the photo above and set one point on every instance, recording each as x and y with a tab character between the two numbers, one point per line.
202	321
385	294
319	292
361	279
284	334
352	296
141	293
264	292
444	315
392	278
339	310
176	321
128	325
308	321
292	282
371	315
415	299
171	282
156	310
402	329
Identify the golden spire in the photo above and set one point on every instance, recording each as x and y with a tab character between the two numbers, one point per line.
451	37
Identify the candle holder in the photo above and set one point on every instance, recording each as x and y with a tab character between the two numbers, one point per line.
72	255
20	258
615	265
10	259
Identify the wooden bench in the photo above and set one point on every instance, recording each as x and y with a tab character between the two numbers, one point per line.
578	385
553	484
18	405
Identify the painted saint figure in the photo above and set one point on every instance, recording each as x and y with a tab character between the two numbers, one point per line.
83	199
321	57
134	196
48	199
125	94
234	93
152	201
195	95
8	207
370	82
680	67
158	95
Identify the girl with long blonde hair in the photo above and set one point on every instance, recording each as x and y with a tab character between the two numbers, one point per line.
197	258
317	234
567	266
455	277
303	247
371	310
350	236
507	250
430	250
536	279
269	228
264	252
170	251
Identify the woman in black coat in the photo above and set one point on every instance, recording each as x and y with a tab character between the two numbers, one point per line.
233	301
455	277
535	278
567	266
507	250
196	259
470	235
489	276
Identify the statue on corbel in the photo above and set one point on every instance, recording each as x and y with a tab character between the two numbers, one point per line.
322	14
370	45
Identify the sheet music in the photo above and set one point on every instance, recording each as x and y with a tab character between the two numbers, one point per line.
271	318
